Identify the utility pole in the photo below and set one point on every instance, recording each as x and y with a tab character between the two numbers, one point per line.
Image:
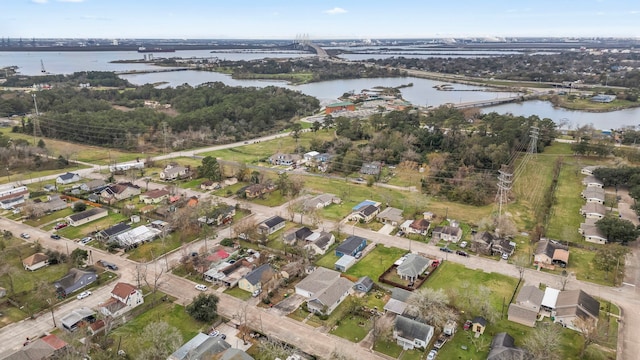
534	133
505	181
35	119
164	136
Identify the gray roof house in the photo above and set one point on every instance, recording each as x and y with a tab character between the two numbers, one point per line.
75	280
412	267
398	302
93	185
331	297
593	194
316	282
525	310
364	284
351	246
201	346
296	234
320	201
271	225
572	304
54	203
411	334
253	280
591	180
86	216
75	318
447	233
503	348
391	216
371	168
593	210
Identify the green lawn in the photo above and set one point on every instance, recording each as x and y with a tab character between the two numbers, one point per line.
77	232
50	217
238	293
353	328
151	250
175	315
388	347
376	262
271	199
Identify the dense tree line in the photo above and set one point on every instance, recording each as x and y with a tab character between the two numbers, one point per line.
624	176
94	78
206	114
614	69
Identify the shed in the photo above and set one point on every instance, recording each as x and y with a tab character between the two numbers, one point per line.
344	263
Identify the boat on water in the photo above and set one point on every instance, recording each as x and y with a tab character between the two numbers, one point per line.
143	49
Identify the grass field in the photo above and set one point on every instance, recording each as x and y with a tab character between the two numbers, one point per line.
77	232
50	217
376	262
151	250
238	293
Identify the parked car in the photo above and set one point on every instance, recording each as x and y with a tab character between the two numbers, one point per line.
446	249
400	233
25	235
214	333
223	336
256	293
83	295
461	253
201	287
463	244
55	236
60	225
358	255
85	240
505	256
108	265
432	354
440	342
467	325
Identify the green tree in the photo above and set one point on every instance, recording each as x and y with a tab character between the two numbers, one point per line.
210	169
78	257
284	183
62	162
204	308
617	230
316	126
79	206
41	144
296	129
609	257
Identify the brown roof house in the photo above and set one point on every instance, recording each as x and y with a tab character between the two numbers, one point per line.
593	210
550	252
482	242
124	297
574	304
120	191
47	347
154	196
525	310
35	261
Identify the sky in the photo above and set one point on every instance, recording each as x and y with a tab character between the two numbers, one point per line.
320	19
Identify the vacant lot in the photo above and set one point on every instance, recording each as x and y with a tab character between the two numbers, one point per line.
376	262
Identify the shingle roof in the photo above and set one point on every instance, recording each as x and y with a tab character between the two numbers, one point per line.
123	290
400	294
333	293
273	221
318	280
115	229
350	244
413	266
479	320
67	176
35	259
412	329
577	302
87	213
365	281
549	247
530	296
256	274
503	348
157	193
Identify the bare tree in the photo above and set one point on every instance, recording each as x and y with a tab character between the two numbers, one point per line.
159	340
273	348
544	342
589	330
521	262
9	271
382	327
564	279
337	354
246	227
141	275
155	280
432	306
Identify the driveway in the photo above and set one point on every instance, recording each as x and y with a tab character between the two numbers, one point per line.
288	305
386	229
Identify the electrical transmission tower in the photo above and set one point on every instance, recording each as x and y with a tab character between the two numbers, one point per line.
35	120
534	133
505	182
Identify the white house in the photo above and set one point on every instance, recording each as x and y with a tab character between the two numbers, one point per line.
35	261
173	172
124	297
13	196
67	178
411	334
310	155
591	180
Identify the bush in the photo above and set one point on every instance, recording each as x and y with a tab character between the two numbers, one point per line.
226	242
79	206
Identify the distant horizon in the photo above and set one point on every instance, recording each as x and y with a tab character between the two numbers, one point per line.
336	19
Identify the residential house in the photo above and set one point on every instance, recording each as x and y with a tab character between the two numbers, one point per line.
271	225
593	210
574	304
587	225
253	281
320	202
323	161
49	188
221	215
593	235
550	252
53	203
174	172
93	185
344	263
592	181
209	185
47	347
193	202
593	194
549	300
235	354
118	192
201	346
136	236
124	297
67	178
503	348
525	310
411	334
122	167
74	280
371	168
228	274
351	246
319	242
447	233
363	204
257	190
328	300
109	234
284	159
397	304
478	325
503	247
588	170
413	266
35	261
10	197
419	226
482	242
310	156
316	282
364	284
78	318
154	196
296	234
86	216
365	214
230	181
390	216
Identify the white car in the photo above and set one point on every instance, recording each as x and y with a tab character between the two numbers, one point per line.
463	244
432	355
25	235
83	295
201	287
505	256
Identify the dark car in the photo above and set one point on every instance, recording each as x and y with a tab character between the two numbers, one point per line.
461	253
446	249
108	265
55	236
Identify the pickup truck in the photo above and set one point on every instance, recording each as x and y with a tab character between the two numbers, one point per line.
440	342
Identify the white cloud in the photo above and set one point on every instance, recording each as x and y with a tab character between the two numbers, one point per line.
71	1
634	12
39	1
335	11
